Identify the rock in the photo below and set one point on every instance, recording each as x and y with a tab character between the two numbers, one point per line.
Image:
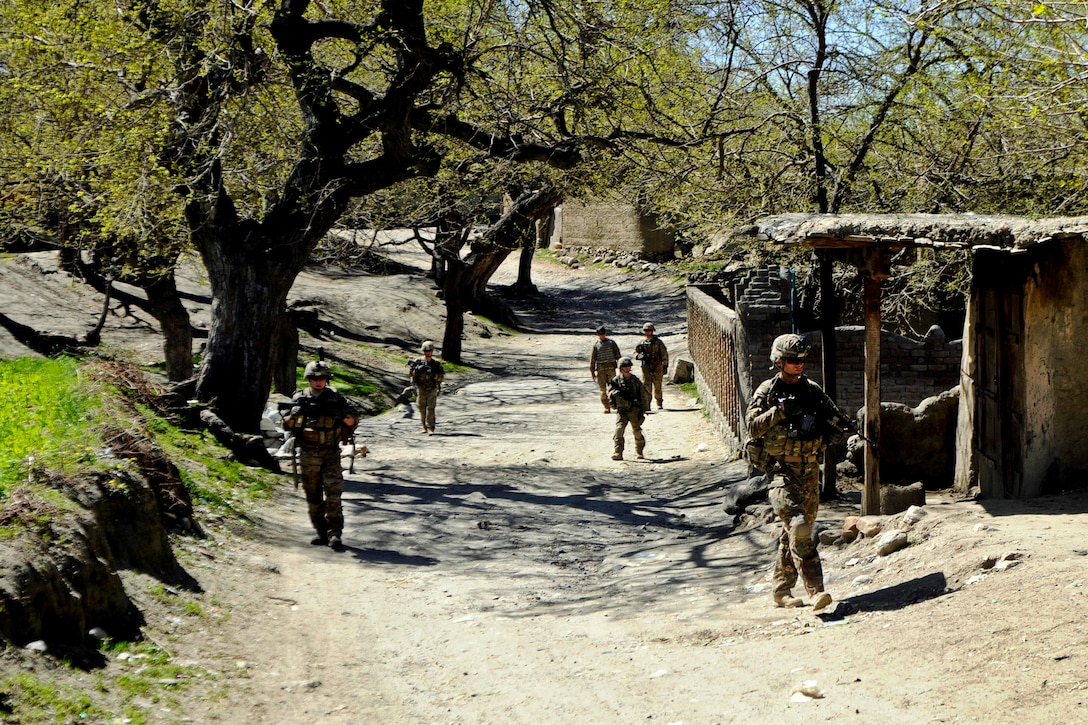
758	515
683	371
850	527
891	541
828	537
895	499
870	526
914	514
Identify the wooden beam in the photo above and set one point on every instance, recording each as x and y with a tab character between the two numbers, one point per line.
870	495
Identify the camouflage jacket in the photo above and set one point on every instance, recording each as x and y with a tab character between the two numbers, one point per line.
653	354
628	393
807	428
318	420
426	374
604	351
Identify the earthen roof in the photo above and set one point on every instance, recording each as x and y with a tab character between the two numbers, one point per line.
897	231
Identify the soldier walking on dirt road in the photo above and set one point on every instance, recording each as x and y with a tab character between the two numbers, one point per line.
791	414
319	419
427	375
602	363
631	400
655	362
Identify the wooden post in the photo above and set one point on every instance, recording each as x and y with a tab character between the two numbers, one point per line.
870	495
828	322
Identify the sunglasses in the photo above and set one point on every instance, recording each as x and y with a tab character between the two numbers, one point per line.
794	360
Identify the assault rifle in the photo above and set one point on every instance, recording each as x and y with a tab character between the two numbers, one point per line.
835	422
839	422
624	392
289	447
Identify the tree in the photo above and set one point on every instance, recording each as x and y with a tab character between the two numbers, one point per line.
269	120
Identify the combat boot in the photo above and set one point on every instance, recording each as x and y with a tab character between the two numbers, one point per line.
821	601
787	600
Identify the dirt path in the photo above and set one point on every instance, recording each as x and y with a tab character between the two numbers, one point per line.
506	570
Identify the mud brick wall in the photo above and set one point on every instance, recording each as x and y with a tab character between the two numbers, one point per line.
612	226
730	335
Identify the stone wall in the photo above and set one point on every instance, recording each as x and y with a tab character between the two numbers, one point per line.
611	226
730	335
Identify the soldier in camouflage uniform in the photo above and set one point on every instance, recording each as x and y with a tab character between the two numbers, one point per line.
655	362
427	375
602	363
794	417
631	399
319	419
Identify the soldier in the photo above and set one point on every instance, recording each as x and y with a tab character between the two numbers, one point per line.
795	419
319	419
655	362
427	375
631	400
602	363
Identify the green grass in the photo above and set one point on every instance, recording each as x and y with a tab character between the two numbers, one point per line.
36	701
57	409
48	421
350	382
55	415
211	475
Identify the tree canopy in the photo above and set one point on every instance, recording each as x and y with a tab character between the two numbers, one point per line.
246	129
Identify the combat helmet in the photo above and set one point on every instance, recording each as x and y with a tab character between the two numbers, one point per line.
427	346
625	362
648	326
318	369
790	345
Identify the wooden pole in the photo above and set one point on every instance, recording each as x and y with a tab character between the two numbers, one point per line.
870	495
829	320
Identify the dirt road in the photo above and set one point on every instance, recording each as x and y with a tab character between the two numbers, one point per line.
506	570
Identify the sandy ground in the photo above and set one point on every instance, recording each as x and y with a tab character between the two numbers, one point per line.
506	570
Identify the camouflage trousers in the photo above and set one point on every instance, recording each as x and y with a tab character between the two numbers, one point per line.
427	399
323	483
605	372
795	500
636	418
654	380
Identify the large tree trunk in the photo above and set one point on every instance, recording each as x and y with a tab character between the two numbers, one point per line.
524	286
249	291
285	354
454	293
177	331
